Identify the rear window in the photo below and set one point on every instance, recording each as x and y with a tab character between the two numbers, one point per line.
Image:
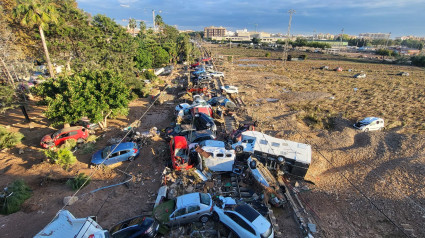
205	198
248	212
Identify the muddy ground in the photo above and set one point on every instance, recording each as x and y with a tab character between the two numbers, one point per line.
355	174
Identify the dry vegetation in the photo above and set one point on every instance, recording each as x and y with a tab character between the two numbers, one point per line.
319	107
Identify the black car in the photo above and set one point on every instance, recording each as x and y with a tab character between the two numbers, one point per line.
199	136
140	226
204	122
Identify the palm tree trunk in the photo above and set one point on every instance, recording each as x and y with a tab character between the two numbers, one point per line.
46	52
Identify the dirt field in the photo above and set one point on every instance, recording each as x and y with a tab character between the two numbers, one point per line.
387	167
355	174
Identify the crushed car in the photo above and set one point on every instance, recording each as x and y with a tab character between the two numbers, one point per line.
77	133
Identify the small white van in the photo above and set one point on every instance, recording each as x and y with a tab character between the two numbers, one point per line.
370	124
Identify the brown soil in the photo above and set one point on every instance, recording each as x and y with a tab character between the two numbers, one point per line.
386	167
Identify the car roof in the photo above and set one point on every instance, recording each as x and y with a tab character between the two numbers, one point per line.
188	199
370	119
123	146
68	129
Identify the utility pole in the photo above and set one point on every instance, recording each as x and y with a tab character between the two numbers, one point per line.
153	18
285	54
342	34
388	38
255	27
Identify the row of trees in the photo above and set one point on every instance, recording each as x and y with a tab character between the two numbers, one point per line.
415	44
104	63
300	42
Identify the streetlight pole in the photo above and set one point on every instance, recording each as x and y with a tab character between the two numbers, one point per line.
153	19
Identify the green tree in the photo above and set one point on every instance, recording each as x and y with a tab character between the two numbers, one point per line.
132	24
418	60
98	95
256	40
142	27
300	42
158	21
39	13
384	52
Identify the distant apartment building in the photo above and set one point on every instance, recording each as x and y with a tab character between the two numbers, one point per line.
374	36
212	31
410	38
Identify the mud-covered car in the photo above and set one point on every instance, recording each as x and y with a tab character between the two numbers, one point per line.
77	133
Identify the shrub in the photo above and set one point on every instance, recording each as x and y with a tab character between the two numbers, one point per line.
13	197
62	156
91	138
268	54
418	60
87	148
7	97
78	181
9	139
69	144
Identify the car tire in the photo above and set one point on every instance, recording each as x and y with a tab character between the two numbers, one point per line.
204	219
131	158
215	217
239	149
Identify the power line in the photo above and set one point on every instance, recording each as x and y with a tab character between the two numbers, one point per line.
349	181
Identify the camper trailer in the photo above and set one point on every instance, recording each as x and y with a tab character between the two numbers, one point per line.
288	156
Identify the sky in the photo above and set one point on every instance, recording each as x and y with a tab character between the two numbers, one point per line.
398	17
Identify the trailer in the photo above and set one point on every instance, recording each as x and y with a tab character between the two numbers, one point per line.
291	157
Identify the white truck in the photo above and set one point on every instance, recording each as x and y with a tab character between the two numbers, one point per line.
65	225
290	157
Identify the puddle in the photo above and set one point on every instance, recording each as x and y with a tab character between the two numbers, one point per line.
250	65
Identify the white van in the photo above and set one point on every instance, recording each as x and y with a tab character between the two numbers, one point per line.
370	124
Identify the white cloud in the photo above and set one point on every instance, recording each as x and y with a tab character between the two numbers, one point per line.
124	5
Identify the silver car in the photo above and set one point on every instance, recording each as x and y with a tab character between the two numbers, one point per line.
185	209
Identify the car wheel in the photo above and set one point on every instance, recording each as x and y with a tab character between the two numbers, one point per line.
131	158
204	219
215	217
239	149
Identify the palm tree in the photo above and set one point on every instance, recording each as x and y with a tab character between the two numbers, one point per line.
132	25
142	26
39	13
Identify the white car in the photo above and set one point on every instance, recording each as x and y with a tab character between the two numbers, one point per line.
217	74
229	89
370	124
243	220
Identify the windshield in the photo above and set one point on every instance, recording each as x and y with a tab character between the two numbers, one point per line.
205	198
106	152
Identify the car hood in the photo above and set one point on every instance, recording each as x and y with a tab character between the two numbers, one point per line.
97	157
46	138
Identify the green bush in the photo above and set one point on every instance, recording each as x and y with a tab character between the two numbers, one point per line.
87	148
62	156
418	60
79	181
9	139
267	54
69	144
7	97
13	197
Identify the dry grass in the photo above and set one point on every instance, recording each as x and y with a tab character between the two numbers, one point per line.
399	100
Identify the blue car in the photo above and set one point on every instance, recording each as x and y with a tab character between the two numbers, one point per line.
118	152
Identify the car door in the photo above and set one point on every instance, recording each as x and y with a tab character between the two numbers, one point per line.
124	154
193	213
61	138
178	217
113	158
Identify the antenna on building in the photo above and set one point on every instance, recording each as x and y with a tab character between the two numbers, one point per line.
285	55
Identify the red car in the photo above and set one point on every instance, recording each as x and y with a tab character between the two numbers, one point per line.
201	109
195	64
58	138
179	153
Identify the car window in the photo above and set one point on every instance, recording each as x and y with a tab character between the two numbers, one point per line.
64	135
125	233
191	209
229	155
114	154
124	152
240	222
73	133
264	142
220	155
205	199
179	212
